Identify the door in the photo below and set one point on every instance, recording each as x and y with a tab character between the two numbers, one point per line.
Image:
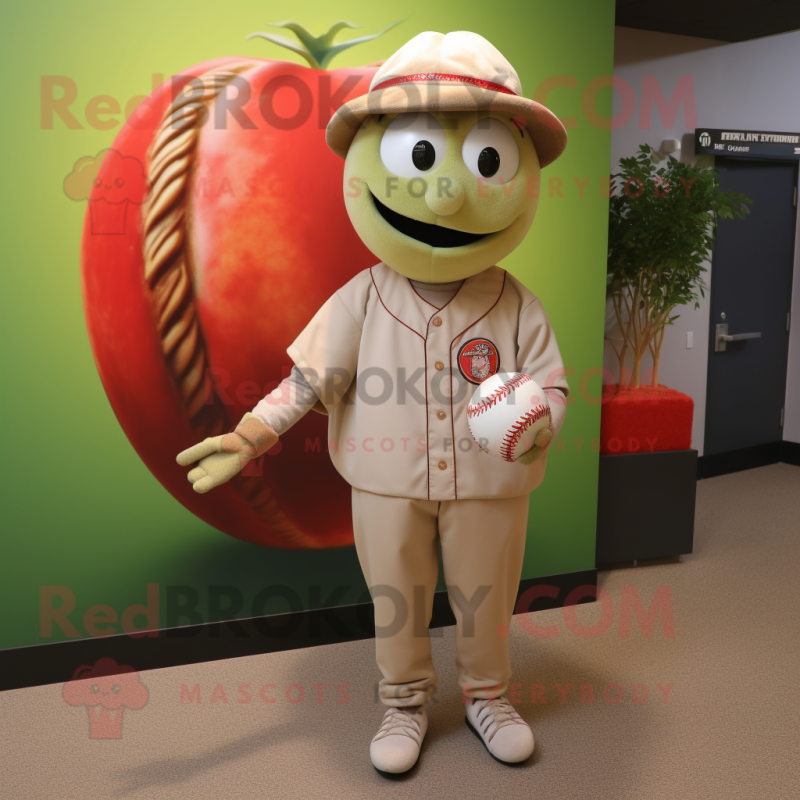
751	283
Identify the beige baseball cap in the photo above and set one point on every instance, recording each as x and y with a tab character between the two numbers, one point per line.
458	71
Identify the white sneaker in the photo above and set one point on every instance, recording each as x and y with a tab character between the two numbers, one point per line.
504	733
397	743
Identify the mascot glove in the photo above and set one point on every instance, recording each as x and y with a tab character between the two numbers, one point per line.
219	458
540	444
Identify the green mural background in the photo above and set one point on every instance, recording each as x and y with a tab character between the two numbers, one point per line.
80	509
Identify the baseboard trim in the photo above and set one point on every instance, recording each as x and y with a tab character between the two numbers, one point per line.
790	453
738	460
56	662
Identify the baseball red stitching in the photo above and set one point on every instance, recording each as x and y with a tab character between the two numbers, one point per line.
516	431
476	409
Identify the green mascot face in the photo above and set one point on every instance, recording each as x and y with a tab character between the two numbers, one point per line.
441	196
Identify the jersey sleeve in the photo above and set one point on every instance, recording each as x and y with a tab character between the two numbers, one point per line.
538	353
286	404
326	351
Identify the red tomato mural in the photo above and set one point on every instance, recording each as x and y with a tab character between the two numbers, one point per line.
209	270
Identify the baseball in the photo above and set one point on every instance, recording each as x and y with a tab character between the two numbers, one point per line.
506	412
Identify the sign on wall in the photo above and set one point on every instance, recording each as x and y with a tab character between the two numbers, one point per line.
747	144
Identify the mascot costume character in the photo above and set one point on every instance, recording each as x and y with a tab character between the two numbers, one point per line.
440	157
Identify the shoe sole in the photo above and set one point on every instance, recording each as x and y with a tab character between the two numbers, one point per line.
398	774
498	760
395	775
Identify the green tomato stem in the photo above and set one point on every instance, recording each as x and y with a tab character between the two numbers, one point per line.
319	51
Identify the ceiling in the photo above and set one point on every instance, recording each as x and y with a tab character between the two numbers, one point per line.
727	20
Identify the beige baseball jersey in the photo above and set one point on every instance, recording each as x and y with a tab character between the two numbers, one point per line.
395	375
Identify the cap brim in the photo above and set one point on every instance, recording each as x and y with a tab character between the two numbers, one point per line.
546	131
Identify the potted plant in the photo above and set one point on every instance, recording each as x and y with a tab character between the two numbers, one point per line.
662	224
663	218
661	228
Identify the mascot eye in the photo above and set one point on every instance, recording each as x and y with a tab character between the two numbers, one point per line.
490	151
488	162
423	155
412	145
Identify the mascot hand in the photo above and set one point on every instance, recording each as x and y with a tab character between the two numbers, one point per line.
540	444
219	458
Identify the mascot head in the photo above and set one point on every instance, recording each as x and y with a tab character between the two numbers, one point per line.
442	157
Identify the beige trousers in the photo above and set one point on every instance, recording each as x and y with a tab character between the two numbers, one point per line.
482	542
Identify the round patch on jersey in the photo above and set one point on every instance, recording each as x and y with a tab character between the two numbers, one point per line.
478	360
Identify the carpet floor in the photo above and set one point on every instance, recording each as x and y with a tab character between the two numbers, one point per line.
701	701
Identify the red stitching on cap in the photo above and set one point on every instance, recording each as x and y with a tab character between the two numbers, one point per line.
423	77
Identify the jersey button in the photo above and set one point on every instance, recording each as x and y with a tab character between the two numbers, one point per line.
441	414
439	365
442	465
437	321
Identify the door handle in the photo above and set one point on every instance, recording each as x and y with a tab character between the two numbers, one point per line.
723	337
737	337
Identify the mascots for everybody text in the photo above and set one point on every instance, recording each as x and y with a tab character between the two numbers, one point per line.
439	372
